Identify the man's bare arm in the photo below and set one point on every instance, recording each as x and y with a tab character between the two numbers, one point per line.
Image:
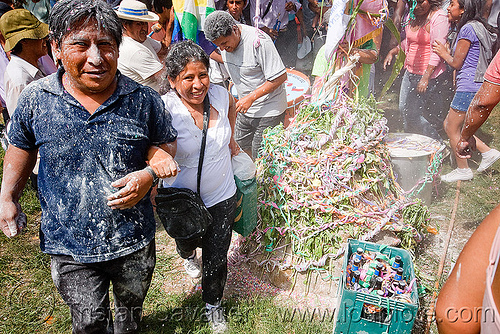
17	167
486	98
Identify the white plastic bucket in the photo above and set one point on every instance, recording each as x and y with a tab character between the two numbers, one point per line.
410	156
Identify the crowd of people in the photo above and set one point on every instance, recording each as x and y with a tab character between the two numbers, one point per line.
103	100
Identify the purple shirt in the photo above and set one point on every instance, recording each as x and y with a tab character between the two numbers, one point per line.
465	76
276	13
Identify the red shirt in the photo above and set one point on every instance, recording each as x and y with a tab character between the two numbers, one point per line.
493	72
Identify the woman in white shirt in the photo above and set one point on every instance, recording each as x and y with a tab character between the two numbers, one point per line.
187	73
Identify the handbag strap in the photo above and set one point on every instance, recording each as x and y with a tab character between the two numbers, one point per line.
206	118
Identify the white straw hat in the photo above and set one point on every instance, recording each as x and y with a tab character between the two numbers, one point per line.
134	10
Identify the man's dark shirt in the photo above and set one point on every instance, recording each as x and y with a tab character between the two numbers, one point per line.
81	155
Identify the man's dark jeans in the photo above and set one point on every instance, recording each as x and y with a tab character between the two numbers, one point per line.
84	287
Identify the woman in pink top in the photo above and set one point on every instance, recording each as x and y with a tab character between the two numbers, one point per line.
423	87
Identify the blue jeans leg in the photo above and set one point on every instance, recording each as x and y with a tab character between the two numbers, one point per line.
413	106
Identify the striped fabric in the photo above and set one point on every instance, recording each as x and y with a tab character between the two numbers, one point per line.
190	16
133	12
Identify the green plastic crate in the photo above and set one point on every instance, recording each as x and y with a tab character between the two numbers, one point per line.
395	317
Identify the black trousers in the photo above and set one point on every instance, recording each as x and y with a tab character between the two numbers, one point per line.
215	245
84	287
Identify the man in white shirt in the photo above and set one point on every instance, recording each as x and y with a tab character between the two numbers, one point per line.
140	54
277	19
258	74
26	38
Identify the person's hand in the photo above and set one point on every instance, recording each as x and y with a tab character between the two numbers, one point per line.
134	186
163	164
422	85
440	49
388	58
157	27
315	8
343	49
234	147
465	147
290	6
243	104
12	218
271	32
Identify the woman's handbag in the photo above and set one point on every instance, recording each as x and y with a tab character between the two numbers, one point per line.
181	210
246	194
182	213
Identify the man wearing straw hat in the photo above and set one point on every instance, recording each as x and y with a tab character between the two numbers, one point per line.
139	53
26	38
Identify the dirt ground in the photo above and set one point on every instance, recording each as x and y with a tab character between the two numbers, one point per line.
249	279
301	292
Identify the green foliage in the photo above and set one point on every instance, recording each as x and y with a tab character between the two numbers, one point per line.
418	216
400	58
324	179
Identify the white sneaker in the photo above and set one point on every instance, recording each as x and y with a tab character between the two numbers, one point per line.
192	267
217	320
463	174
488	159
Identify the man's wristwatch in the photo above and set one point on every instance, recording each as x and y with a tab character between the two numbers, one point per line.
153	174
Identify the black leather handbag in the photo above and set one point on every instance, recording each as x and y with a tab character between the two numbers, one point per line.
181	210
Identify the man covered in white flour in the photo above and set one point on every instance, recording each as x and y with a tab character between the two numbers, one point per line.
94	129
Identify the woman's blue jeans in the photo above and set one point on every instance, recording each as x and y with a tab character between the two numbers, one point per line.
423	113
